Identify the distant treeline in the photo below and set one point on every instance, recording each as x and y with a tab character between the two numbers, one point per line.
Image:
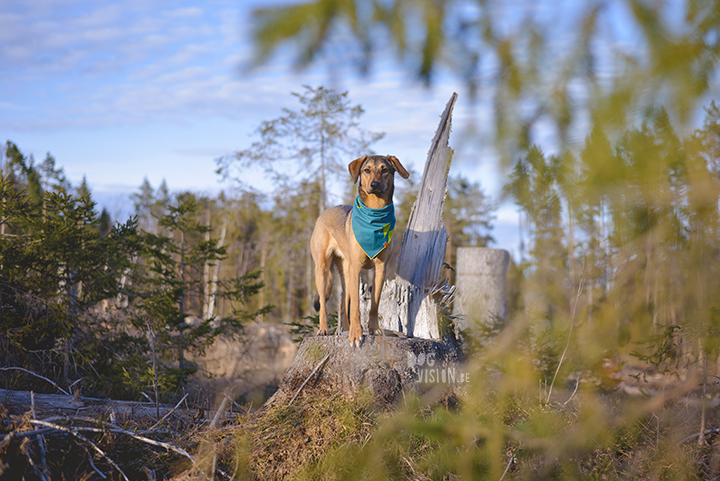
125	305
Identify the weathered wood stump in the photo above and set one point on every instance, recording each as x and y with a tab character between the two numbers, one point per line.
407	302
386	366
481	277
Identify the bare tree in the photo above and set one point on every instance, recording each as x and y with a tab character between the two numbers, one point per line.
306	145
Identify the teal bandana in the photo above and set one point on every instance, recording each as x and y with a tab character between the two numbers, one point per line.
373	228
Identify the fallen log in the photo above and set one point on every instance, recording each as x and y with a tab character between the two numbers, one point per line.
20	402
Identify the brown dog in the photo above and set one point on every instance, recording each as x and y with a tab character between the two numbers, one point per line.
334	242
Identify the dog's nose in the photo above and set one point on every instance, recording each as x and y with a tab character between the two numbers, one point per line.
374	186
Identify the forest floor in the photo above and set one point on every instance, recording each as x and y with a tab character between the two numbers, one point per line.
332	437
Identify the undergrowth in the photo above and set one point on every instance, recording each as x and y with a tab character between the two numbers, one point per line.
503	433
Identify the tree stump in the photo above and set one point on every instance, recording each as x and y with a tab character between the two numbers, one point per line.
481	284
386	366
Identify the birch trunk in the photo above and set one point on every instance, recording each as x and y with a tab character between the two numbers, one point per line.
212	295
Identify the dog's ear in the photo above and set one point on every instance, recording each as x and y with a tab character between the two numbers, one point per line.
355	166
398	166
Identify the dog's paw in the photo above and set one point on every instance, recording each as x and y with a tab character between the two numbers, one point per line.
355	337
376	332
322	332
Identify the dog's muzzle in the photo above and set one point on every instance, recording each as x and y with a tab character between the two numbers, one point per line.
375	188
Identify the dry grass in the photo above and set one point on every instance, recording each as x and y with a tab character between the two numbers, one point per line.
283	442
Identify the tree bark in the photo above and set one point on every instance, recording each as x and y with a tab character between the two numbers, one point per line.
212	294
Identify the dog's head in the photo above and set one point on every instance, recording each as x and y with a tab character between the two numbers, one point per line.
376	174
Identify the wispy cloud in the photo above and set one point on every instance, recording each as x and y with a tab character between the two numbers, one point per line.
141	58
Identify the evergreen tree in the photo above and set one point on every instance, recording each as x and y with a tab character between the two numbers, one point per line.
104	223
168	293
52	273
53	177
143	201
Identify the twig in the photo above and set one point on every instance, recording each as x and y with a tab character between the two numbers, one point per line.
74	432
41	440
36	375
701	435
221	410
308	378
507	468
25	434
38	470
567	344
696	435
117	430
168	414
577	385
155	371
92	465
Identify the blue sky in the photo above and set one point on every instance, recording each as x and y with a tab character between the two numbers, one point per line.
120	91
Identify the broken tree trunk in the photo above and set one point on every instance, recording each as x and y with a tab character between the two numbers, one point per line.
407	303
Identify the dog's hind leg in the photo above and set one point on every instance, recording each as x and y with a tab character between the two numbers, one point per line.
343	303
323	278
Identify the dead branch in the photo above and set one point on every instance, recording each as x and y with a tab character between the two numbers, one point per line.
74	432
152	428
36	375
567	345
221	410
23	434
117	430
19	402
308	378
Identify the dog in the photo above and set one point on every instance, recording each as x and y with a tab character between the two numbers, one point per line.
335	242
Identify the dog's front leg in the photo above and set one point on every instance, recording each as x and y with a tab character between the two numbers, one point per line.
352	291
373	325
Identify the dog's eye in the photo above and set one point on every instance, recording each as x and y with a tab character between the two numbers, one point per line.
367	171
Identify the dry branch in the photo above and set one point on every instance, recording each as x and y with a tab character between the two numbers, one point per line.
309	377
36	375
169	413
74	432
